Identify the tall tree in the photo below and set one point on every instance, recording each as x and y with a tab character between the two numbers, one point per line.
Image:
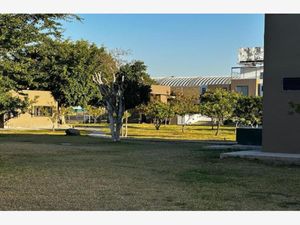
20	36
66	69
122	87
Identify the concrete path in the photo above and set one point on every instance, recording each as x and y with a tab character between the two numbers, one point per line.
284	158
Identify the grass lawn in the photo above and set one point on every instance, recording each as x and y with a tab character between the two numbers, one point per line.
55	172
192	132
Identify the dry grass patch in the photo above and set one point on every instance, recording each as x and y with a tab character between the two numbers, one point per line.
82	173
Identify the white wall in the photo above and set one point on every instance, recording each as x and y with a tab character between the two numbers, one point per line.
248	72
191	119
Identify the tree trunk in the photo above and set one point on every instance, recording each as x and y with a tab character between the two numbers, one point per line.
118	129
218	127
2	121
182	128
63	119
122	130
111	121
126	126
157	124
236	125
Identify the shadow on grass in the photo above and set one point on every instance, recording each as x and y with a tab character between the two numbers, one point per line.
52	139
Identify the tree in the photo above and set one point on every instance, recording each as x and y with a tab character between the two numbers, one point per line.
183	105
67	68
158	112
52	115
11	106
65	111
218	104
122	87
137	87
95	112
20	37
170	113
248	111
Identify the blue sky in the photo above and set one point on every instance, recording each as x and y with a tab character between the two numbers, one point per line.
174	44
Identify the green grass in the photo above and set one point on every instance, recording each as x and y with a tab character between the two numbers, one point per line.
55	172
192	132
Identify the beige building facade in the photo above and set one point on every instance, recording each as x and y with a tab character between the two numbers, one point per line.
41	108
247	87
194	87
160	93
281	129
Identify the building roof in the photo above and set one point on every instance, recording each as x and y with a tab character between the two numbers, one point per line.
194	81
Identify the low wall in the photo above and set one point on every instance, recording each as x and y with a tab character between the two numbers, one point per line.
249	136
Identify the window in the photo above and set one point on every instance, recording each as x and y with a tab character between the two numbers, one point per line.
242	89
203	89
42	111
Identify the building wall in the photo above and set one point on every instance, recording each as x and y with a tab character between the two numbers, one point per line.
249	72
160	93
223	86
252	85
29	121
282	55
191	92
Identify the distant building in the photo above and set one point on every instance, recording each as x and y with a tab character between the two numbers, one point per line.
246	78
160	93
194	86
38	115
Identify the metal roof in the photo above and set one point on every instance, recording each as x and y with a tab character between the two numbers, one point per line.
194	81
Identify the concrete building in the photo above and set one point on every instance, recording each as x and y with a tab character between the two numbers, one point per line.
195	86
281	83
37	116
160	93
246	78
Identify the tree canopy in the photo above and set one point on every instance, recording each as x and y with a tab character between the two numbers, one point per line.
248	111
137	84
157	111
20	37
218	104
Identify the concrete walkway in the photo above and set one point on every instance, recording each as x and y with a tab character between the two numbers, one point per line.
284	158
236	147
